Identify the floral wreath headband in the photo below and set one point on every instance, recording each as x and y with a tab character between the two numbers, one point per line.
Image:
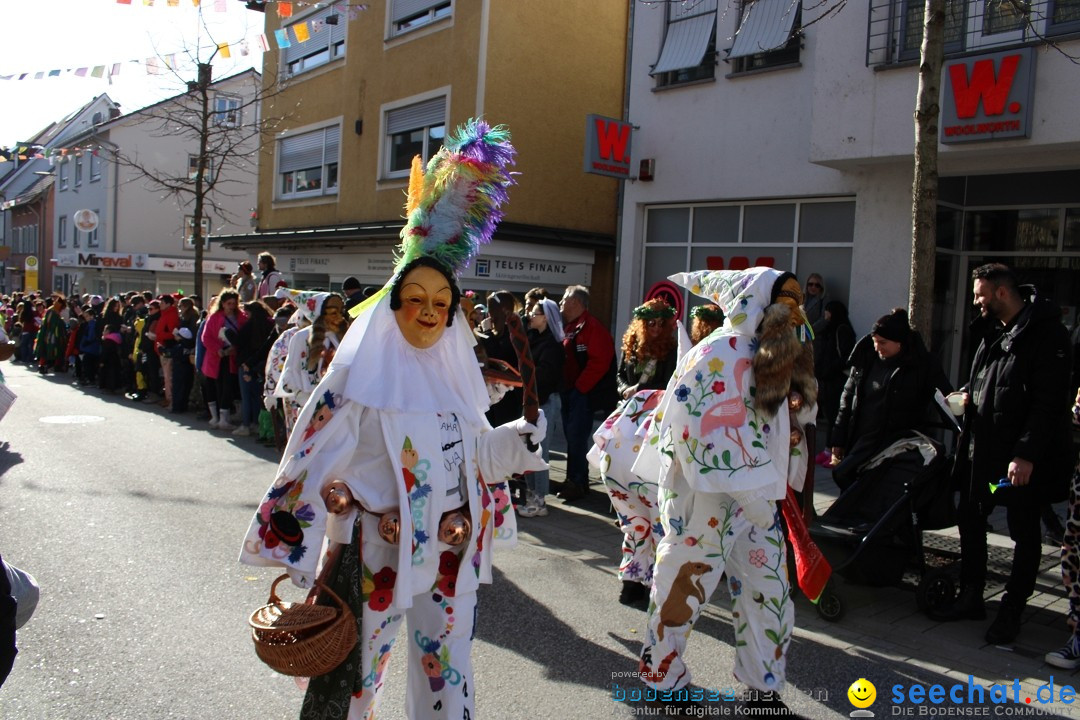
646	312
706	313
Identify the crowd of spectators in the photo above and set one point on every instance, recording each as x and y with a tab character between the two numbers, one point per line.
172	350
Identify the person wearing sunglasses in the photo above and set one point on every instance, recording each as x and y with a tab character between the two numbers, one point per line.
814	300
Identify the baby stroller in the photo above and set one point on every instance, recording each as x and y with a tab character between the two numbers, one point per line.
873	533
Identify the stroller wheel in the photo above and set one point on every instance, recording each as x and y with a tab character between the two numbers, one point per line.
936	590
829	606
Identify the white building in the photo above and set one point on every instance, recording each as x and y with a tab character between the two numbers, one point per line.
143	236
802	156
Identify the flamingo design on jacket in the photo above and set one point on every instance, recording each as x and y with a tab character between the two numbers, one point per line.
730	414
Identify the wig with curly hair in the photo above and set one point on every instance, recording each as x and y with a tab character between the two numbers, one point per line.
704	319
317	350
638	348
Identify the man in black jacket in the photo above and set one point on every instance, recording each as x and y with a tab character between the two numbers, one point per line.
1016	436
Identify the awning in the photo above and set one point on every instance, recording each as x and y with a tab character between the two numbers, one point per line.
767	25
690	26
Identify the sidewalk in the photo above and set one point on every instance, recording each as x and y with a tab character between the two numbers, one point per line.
880	624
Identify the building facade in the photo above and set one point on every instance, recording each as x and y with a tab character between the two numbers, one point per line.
370	88
771	145
28	186
137	234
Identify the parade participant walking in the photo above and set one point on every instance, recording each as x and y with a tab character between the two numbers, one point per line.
724	448
394	438
311	349
1015	436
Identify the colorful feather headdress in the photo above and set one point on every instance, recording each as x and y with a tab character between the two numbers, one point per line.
453	205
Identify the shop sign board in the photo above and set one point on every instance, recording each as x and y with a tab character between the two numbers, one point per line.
104	260
607	146
524	270
988	97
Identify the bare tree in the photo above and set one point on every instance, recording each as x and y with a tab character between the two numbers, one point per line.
226	148
924	189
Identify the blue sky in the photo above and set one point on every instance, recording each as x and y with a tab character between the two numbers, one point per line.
45	35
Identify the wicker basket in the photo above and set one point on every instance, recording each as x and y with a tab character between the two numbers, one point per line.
302	639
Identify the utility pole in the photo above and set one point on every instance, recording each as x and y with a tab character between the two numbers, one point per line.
202	88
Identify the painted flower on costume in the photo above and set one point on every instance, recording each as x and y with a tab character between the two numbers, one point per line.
282	517
758	557
381	593
449	562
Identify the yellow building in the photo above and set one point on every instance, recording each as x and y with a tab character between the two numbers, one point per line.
363	88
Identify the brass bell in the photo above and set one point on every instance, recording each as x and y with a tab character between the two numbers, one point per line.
390	527
795	401
337	498
455	528
796	436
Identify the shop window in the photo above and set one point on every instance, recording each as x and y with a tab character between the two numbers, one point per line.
1071	236
227	111
1027	231
417	129
667	225
911	30
409	15
769	223
826	222
768	35
324	32
189	232
716	224
1064	16
689	50
308	164
92	236
193	167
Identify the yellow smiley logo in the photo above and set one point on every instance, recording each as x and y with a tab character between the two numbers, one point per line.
862	693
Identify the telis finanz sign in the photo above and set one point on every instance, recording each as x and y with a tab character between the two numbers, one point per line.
988	97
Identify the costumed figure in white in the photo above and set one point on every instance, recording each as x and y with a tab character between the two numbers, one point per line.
310	351
725	443
394	437
635	498
279	351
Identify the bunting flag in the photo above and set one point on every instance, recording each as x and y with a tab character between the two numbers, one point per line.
302	31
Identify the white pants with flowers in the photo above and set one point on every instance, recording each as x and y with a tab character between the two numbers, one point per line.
706	534
439	633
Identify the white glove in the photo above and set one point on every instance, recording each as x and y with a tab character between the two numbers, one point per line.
503	453
757	508
536	432
269	402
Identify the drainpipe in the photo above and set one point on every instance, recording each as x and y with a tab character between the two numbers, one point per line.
621	192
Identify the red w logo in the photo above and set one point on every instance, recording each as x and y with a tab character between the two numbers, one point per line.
993	91
612	139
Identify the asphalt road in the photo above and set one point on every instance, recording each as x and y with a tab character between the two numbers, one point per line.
131	520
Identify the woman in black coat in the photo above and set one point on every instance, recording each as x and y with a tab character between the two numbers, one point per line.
832	348
545	343
889	392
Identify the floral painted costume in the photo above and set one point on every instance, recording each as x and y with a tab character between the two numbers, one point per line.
634	498
722	464
407	435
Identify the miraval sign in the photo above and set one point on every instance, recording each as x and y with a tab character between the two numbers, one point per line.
988	97
127	261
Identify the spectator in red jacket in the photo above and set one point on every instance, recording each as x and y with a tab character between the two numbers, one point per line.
165	342
590	362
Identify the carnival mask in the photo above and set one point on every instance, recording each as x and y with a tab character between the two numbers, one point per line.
425	306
